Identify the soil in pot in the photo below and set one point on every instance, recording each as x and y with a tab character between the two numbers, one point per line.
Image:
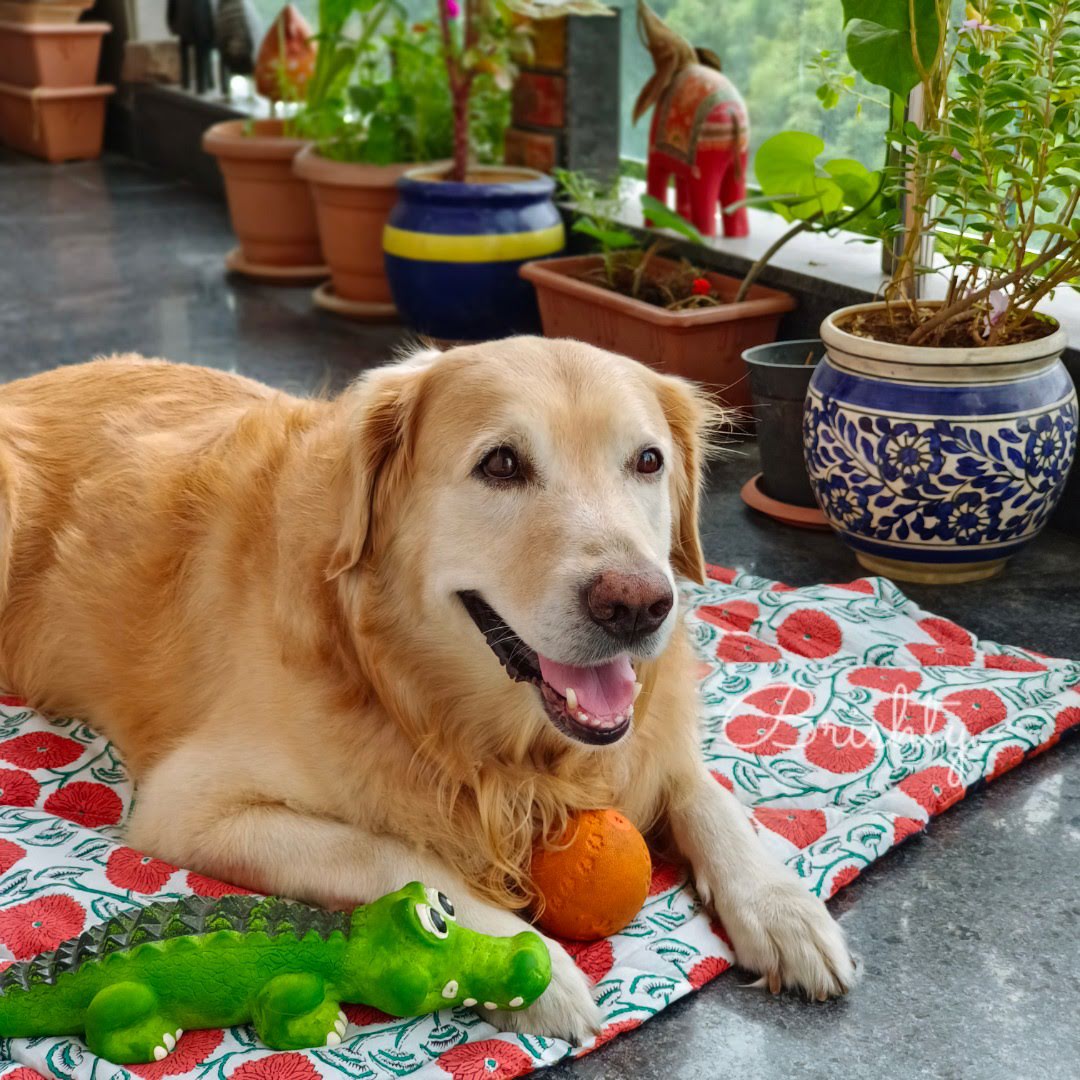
271	209
896	323
780	375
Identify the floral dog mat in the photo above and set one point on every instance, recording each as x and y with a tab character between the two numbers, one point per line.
843	716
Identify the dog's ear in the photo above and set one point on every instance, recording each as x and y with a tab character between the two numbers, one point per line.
694	419
375	458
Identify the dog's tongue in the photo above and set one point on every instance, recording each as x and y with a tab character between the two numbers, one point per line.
605	690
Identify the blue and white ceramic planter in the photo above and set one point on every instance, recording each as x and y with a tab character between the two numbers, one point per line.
936	465
452	250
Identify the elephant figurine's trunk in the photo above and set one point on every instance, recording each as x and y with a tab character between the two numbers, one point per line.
671	52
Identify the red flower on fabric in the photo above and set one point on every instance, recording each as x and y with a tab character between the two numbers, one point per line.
23	1073
780	700
905	716
838	748
192	1050
18	788
723	781
953	645
890	680
934	789
779	586
489	1059
977	709
594	958
202	885
618	1028
706	970
1067	718
13	701
903	827
291	1066
743	648
761	734
810	633
859	585
363	1015
10	854
800	827
85	803
40	924
731	615
1007	759
40	750
130	869
844	876
720	573
1005	662
665	876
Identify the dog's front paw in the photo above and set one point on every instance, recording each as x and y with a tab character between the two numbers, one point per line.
787	935
565	1010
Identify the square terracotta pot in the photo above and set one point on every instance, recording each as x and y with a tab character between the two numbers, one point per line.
54	124
703	344
50	54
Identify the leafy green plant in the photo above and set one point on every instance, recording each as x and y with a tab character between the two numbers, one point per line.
992	169
625	262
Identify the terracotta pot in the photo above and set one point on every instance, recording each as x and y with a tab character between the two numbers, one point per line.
704	344
51	54
352	203
54	124
271	209
43	11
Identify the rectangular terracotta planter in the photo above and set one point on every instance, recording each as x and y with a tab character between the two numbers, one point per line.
704	344
57	125
50	54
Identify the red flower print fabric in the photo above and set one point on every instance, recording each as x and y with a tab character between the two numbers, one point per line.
841	717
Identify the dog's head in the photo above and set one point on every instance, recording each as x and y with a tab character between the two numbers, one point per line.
544	494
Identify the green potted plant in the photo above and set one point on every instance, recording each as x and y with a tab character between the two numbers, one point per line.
458	234
270	209
386	108
939	433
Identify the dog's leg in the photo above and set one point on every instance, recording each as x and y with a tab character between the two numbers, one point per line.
778	928
278	850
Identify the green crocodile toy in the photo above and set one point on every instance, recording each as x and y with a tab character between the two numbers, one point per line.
134	983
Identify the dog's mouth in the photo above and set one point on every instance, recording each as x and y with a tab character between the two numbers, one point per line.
593	705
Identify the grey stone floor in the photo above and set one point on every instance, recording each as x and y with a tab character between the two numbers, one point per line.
970	933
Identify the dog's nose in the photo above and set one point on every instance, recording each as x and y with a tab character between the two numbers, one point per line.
629	605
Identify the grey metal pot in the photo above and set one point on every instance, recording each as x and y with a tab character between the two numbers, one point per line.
780	374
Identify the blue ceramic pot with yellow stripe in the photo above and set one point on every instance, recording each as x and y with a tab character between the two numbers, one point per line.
452	250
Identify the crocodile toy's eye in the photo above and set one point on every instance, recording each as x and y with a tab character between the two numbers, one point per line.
441	902
432	921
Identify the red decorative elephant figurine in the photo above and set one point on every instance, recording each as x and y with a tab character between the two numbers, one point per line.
700	131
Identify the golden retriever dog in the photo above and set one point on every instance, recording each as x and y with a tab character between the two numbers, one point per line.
345	644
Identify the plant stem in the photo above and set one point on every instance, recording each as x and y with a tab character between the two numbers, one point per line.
754	272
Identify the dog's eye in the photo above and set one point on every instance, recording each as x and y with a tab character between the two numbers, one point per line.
432	921
501	464
649	461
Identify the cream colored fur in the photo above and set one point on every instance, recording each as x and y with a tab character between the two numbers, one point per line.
254	596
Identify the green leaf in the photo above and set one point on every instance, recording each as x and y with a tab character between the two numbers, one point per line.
664	218
880	38
610	239
785	165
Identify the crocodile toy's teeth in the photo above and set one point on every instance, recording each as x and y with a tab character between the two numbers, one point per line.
170	1042
160	1053
333	1039
450	990
340	1024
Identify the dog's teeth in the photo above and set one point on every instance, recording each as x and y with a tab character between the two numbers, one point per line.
571	699
637	690
582	716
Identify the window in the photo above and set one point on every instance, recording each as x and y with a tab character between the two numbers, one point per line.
768	48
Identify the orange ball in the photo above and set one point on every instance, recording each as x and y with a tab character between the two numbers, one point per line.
595	880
